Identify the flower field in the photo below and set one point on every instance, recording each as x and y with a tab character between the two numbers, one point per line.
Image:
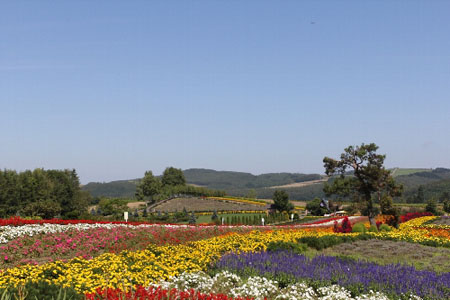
144	261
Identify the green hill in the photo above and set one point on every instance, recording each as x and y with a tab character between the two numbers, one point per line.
234	183
434	182
227	180
113	189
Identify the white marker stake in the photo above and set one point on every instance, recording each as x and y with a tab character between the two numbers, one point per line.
125	216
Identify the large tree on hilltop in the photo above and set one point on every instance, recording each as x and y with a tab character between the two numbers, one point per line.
362	176
148	187
173	177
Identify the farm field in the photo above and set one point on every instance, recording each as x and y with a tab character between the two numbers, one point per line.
100	260
204	204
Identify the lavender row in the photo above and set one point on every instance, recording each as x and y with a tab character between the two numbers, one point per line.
357	276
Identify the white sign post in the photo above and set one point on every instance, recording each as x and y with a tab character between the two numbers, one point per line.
292	217
262	221
223	220
125	216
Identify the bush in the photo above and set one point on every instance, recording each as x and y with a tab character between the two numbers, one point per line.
345	226
373	228
359	228
291	246
385	227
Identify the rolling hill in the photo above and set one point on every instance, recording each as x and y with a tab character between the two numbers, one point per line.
234	183
302	187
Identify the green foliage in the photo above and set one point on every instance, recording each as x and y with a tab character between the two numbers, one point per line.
386	205
43	193
291	246
192	219
112	206
148	187
385	227
173	177
314	207
434	184
369	177
327	241
281	201
447	206
359	227
373	228
239	180
431	206
445	196
214	216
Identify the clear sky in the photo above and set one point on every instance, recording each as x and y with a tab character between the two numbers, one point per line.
114	88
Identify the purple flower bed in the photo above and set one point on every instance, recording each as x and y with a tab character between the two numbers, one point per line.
357	276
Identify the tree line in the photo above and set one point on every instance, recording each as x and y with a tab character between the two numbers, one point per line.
42	193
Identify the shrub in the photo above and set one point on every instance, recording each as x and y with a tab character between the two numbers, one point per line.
385	227
291	246
359	228
373	228
326	241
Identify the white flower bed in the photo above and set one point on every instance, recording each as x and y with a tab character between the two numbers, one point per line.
261	288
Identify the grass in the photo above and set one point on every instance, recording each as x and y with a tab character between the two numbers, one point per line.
390	252
400	172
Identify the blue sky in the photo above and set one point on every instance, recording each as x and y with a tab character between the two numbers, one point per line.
114	88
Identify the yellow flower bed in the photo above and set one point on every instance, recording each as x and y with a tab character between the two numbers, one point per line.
416	222
143	267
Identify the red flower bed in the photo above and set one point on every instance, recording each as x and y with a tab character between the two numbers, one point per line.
155	294
410	216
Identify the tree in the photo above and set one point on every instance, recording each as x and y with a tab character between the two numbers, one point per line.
361	176
192	219
112	206
447	206
314	207
281	201
420	197
431	206
148	187
386	206
445	196
173	177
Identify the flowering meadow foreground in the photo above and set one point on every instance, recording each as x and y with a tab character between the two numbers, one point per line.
89	260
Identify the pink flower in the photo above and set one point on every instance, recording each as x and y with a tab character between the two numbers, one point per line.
6	257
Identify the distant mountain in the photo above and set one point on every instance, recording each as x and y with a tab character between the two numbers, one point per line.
221	180
434	182
227	180
113	189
